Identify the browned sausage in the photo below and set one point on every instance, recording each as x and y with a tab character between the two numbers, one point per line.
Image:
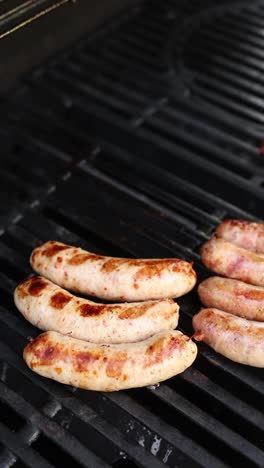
110	367
233	296
236	338
110	278
245	234
232	261
49	307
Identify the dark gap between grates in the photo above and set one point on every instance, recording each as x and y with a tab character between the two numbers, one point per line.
37	397
19	464
48	449
10	418
124	464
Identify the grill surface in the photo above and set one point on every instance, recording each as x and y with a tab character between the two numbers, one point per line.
108	147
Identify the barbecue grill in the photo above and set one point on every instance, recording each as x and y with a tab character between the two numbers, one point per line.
136	139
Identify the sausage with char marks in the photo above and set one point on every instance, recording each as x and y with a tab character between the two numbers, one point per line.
110	278
49	307
110	367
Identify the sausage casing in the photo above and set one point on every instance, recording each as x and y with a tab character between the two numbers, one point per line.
49	307
110	367
245	234
232	261
233	296
110	278
236	338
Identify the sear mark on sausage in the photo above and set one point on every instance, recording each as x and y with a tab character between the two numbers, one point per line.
253	294
80	258
84	359
162	349
134	312
45	352
114	263
240	223
36	286
91	310
115	365
53	249
59	300
152	268
146	268
155	268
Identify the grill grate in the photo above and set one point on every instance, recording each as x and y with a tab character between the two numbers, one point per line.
222	57
109	148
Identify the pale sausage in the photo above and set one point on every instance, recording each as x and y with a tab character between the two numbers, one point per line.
233	296
49	307
110	367
245	234
110	278
236	338
232	261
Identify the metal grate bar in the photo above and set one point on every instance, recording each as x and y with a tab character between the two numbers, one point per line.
68	400
20	449
229	401
47	427
192	453
205	422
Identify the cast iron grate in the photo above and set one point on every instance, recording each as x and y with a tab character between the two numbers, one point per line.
34	160
220	57
111	158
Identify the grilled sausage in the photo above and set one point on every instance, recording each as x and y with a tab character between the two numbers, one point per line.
110	367
245	234
110	278
233	296
232	261
236	338
49	307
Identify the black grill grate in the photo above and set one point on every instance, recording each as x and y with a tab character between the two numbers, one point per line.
108	147
222	58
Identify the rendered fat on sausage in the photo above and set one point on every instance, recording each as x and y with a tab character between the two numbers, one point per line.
245	234
110	278
233	296
110	367
49	307
236	338
232	261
